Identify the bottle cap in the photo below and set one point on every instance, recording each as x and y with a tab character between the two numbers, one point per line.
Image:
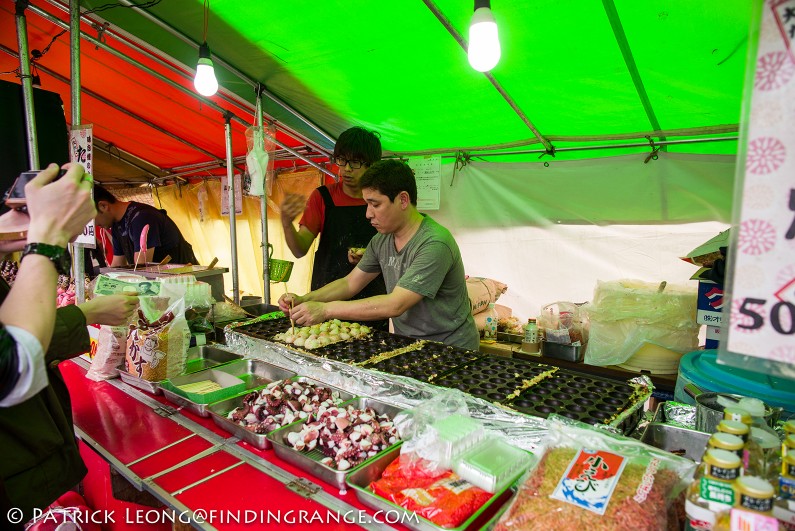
736	413
735	427
532	320
726	441
755	487
722	458
789	426
789	442
764	438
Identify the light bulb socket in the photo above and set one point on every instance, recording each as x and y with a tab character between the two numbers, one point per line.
204	50
482	3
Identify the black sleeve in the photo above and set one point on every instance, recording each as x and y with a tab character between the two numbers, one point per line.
9	363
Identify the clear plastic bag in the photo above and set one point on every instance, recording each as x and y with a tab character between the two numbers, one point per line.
564	323
590	479
626	314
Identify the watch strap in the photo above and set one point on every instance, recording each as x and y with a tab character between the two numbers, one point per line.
59	256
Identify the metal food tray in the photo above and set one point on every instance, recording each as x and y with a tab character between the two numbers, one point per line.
492	378
586	398
362	476
310	461
219	411
198	359
200	408
675	439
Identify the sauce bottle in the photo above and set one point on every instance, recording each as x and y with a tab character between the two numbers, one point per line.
753	462
714	492
753	508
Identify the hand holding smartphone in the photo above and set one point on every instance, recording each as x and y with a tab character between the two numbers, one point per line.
15	196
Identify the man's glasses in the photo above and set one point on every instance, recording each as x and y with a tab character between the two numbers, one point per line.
355	164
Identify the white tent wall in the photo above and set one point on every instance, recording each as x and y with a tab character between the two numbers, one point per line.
549	233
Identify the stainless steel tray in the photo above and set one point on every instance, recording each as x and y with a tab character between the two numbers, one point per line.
219	411
681	441
254	373
206	357
310	461
198	359
362	476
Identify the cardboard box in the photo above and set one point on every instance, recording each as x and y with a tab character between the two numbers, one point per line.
710	303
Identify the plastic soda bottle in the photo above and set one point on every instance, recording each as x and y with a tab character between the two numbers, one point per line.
490	330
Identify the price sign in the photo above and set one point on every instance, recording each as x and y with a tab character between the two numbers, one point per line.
762	315
428	174
81	150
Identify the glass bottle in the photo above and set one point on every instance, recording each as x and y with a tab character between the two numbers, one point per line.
531	343
753	507
490	329
752	454
728	442
714	492
784	507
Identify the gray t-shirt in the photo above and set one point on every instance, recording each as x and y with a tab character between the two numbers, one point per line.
429	265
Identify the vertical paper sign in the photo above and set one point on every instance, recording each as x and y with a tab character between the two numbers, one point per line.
428	173
225	195
81	150
762	289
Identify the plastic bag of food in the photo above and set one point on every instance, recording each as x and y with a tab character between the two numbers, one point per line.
157	347
440	496
564	323
626	314
590	479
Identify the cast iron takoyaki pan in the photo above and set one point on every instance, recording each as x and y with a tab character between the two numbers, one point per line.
581	397
265	329
359	350
432	361
492	378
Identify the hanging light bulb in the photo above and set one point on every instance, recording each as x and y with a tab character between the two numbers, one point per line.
205	82
484	42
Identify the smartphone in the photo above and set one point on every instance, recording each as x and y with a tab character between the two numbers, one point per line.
15	196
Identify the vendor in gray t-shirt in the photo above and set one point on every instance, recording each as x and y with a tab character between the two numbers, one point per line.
424	275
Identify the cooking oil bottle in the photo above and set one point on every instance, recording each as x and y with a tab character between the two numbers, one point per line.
713	492
753	508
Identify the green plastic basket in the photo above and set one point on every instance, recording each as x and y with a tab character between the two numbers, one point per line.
280	270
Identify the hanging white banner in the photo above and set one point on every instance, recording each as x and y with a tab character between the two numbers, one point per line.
225	195
428	174
762	288
81	150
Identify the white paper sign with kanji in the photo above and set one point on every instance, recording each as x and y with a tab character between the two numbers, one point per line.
81	149
225	195
762	318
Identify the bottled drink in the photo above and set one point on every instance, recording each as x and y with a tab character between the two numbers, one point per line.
531	341
714	491
753	507
490	330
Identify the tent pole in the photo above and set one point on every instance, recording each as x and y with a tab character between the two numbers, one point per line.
78	254
263	209
206	102
27	85
230	176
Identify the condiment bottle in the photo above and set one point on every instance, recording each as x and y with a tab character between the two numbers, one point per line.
728	442
531	343
787	445
490	329
753	508
714	491
784	507
752	456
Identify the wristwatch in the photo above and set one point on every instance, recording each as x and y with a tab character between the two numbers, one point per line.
59	256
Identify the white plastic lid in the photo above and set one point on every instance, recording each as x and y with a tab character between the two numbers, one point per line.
754	406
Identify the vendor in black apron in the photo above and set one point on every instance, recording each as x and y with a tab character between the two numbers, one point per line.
337	213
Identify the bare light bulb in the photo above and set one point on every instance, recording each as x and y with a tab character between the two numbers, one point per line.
484	42
205	82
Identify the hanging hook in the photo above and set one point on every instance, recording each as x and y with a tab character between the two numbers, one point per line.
549	151
655	149
462	158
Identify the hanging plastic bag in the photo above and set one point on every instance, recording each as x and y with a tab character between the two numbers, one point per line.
626	314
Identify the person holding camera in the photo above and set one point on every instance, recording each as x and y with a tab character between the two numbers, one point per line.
35	409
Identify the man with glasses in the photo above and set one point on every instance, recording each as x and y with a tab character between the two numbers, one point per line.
337	213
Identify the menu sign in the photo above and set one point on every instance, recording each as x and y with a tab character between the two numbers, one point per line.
762	315
81	150
428	174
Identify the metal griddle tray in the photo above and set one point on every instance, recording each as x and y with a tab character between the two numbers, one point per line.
198	359
492	378
586	398
429	363
359	350
362	476
219	411
265	328
310	461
